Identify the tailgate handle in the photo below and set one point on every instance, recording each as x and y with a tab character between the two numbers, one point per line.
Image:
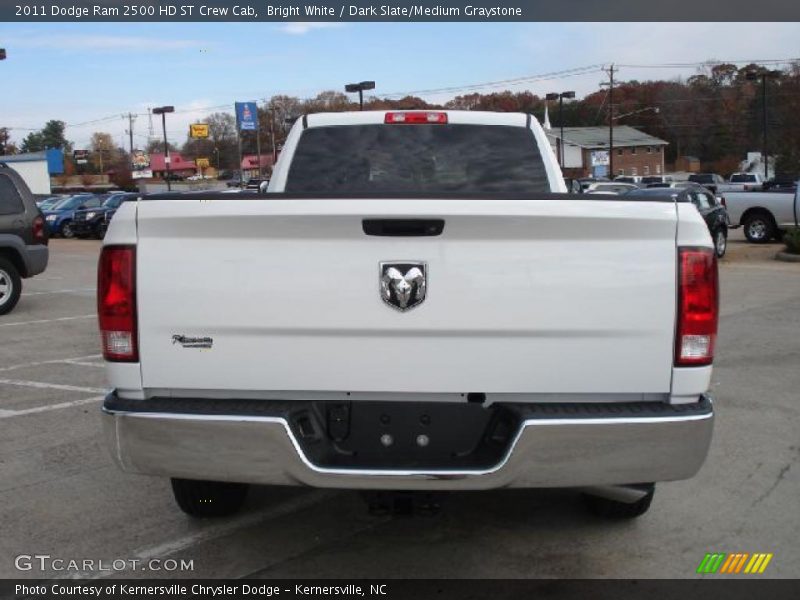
403	227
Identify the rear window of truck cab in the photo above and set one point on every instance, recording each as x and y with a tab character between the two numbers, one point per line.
419	158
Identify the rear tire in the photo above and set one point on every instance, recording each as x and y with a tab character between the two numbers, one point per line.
614	509
10	286
759	227
204	499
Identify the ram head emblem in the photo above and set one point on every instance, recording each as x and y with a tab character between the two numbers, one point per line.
403	284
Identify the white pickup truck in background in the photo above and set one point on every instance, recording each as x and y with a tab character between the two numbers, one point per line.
741	182
416	304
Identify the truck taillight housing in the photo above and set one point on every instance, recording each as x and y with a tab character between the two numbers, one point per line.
415	118
116	303
698	307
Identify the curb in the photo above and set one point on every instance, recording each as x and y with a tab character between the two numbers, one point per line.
786	257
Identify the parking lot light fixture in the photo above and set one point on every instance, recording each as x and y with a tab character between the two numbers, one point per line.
2	53
163	110
560	97
360	88
763	75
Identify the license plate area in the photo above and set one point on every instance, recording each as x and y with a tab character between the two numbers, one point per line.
404	435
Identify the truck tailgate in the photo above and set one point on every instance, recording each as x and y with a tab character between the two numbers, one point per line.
523	296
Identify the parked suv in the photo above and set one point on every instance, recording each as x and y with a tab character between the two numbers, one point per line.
60	216
23	239
94	221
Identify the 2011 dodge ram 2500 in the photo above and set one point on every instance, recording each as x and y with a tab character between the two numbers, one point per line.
415	304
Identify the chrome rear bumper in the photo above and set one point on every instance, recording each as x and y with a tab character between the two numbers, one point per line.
578	447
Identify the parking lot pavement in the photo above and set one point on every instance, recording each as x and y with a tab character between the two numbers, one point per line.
61	495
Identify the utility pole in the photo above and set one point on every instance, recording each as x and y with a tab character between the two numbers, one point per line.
610	85
131	118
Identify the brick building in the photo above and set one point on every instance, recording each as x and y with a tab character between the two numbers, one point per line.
586	151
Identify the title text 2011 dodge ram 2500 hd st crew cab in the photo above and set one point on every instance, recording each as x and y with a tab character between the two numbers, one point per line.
414	305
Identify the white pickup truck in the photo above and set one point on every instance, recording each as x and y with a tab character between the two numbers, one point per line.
415	304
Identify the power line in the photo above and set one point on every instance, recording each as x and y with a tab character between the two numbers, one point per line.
528	79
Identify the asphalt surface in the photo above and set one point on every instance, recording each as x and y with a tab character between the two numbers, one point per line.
61	495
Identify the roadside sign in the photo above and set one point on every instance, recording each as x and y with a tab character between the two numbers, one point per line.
202	163
198	130
599	157
246	116
140	165
81	157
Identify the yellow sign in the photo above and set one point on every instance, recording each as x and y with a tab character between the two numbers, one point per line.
202	163
198	130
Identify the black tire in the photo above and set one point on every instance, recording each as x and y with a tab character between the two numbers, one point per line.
209	498
66	230
614	509
720	242
759	227
10	286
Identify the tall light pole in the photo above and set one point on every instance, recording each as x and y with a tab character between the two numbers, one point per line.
560	97
360	88
163	110
753	76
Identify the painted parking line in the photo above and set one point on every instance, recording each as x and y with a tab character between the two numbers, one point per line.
6	414
51	386
216	531
72	291
91	316
38	363
81	363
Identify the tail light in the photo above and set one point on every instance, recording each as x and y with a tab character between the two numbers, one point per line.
698	307
38	230
116	303
415	118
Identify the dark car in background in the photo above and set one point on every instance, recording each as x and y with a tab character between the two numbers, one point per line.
707	180
93	222
59	217
781	183
710	208
23	239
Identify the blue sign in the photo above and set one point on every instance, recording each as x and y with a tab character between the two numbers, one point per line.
246	116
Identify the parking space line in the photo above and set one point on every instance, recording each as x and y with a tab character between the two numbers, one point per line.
72	291
216	531
50	362
82	363
51	386
91	316
5	414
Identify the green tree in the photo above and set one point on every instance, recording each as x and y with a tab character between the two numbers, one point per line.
50	136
